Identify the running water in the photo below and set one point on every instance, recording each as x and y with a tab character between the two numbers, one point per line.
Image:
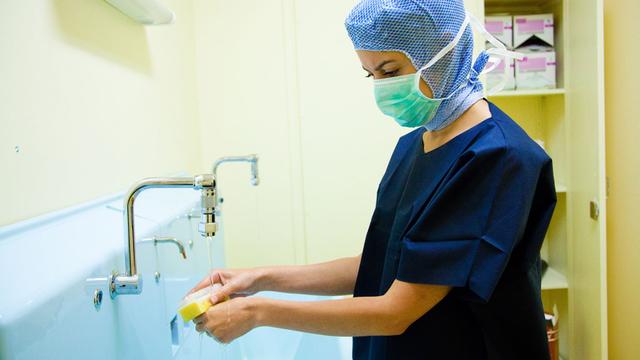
209	241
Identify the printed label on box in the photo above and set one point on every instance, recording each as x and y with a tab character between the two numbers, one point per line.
494	27
537	70
530	26
501	27
536	29
530	65
496	76
499	69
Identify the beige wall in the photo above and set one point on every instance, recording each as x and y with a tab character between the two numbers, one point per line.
284	82
280	78
243	104
622	44
93	100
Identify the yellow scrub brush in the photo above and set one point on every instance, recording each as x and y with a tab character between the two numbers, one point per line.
197	303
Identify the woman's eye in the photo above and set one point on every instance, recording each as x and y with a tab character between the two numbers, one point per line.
386	73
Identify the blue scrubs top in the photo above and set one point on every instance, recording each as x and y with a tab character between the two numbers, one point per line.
471	214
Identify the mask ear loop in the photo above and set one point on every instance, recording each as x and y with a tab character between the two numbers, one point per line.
499	50
494	62
445	50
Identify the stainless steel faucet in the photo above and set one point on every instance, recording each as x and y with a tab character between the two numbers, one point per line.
166	239
131	282
252	159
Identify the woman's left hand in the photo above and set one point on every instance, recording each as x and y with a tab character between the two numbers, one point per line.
228	320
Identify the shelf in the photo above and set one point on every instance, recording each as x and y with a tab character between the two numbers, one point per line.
561	188
515	2
553	280
517	7
535	92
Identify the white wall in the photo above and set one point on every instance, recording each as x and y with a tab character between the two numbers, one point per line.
93	100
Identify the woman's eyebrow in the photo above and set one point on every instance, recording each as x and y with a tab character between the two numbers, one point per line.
379	67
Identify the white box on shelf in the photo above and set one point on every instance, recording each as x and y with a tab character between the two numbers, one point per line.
526	27
501	27
537	70
495	76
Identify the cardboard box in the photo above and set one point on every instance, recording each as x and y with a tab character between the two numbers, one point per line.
537	29
495	76
501	27
538	68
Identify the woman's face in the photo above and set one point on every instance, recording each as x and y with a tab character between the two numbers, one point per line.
387	64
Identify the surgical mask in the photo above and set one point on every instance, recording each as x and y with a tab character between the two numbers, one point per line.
401	98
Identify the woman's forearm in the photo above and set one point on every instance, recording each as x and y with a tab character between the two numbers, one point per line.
361	316
384	315
335	277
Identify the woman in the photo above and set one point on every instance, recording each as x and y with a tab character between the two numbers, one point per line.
450	267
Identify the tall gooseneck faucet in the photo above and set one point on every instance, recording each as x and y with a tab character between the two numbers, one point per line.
131	281
252	159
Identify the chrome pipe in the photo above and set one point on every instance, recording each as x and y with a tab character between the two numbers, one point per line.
252	159
131	282
168	240
129	200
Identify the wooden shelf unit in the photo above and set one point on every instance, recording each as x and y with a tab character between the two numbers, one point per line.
570	122
536	92
554	280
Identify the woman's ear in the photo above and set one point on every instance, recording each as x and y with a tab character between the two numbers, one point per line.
425	89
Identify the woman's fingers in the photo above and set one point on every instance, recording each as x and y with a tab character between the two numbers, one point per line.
199	319
214	337
224	325
214	277
200	327
223	293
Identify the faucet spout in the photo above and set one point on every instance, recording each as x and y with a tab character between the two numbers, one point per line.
167	239
131	282
251	159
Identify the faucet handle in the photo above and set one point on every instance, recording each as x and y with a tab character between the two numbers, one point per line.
204	181
207	225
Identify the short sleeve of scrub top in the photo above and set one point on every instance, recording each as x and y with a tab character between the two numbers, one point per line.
472	215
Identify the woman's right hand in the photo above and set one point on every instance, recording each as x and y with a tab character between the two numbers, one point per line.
235	282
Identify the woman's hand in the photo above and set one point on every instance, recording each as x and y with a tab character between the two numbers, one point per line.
228	320
237	282
336	277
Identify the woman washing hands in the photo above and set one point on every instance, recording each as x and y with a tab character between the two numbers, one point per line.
450	267
240	313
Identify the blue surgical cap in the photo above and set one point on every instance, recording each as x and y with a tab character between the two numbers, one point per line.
420	29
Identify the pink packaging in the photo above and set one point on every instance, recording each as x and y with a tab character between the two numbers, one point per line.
495	76
501	27
537	70
527	27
